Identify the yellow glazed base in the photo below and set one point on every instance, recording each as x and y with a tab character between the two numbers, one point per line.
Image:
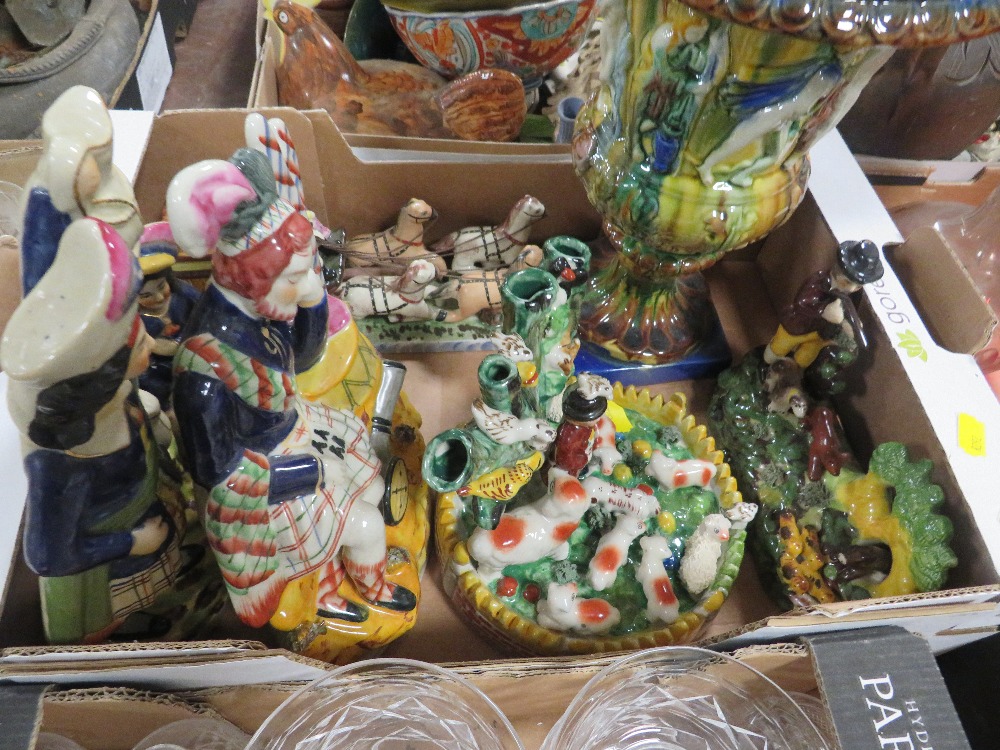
486	611
340	642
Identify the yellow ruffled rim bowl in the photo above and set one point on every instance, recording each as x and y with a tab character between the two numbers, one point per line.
473	598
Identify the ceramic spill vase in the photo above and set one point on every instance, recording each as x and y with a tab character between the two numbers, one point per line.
696	141
574	516
827	530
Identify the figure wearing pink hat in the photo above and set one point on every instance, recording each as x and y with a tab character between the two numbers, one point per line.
292	487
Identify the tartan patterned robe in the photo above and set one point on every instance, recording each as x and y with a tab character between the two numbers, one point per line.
256	447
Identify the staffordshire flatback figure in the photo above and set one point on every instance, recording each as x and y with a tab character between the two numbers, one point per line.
292	487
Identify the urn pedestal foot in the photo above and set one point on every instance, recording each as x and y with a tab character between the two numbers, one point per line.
648	319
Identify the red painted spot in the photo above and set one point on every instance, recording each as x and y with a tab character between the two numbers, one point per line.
644	488
706	476
593	611
509	533
608	559
571	491
507	586
532	593
663	591
564	531
680	478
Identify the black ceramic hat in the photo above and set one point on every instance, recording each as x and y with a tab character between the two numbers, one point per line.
581	409
860	261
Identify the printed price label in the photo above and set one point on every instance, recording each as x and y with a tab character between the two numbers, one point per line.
971	435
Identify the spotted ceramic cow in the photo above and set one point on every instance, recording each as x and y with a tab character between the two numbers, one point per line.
563	610
543	528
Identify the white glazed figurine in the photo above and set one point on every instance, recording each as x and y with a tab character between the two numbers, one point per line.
491	247
103	527
399	244
397	298
700	561
563	609
479	291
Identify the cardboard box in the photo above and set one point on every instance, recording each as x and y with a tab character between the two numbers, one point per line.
950	304
886	403
264	93
879	686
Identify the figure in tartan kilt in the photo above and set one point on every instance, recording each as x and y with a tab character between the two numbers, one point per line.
292	487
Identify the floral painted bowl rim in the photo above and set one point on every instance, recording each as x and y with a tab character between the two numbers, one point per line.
516	10
898	23
463	582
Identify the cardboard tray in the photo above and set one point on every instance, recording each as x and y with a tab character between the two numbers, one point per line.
264	93
958	316
878	684
886	403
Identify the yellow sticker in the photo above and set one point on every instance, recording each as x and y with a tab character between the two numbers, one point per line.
617	415
971	435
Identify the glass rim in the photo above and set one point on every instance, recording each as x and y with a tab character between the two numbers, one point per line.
636	657
406	667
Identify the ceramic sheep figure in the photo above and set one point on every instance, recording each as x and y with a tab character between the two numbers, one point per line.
700	561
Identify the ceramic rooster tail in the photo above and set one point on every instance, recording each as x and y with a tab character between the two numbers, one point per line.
487	105
270	137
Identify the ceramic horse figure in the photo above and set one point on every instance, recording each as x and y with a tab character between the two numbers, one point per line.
399	244
395	297
479	291
492	247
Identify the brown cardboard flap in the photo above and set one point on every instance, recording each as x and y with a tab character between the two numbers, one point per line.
114	718
950	304
18	160
183	137
899	182
364	196
53	652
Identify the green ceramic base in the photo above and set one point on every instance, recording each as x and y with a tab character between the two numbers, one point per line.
428	335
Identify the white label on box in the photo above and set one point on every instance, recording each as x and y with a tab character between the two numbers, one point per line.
131	128
953	391
154	69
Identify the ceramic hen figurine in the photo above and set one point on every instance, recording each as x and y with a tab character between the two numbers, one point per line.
387	97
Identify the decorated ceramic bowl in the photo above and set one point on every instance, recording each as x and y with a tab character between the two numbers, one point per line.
558	606
529	40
